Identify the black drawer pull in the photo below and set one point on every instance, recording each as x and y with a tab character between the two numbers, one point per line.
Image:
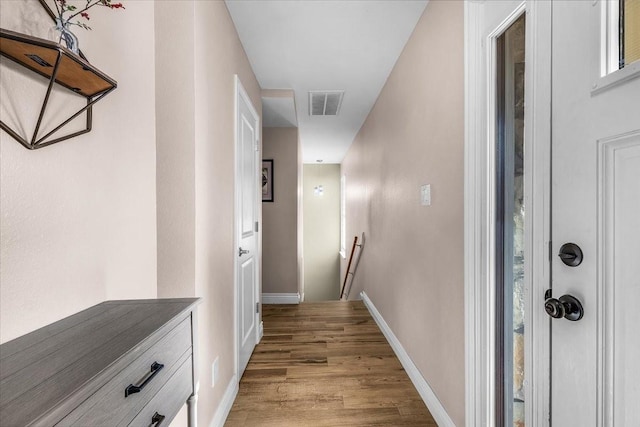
157	419
155	368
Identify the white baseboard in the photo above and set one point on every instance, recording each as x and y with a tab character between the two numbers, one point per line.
226	403
275	298
430	399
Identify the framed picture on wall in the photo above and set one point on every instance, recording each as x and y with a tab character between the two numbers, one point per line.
267	180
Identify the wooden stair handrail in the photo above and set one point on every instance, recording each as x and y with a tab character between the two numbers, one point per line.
346	276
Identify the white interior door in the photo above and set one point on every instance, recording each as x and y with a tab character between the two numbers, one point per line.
595	205
247	139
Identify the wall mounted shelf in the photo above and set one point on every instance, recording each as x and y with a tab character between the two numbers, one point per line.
58	65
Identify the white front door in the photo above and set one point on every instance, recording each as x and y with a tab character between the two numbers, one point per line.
247	139
582	145
595	184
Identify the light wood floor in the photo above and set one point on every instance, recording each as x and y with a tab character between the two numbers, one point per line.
325	364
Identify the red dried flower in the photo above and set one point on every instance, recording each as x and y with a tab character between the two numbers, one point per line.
63	7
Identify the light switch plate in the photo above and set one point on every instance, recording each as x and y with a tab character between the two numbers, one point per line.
425	195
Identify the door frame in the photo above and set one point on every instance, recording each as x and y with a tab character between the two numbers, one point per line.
241	93
479	201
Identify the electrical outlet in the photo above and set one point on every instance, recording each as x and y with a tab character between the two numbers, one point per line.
214	372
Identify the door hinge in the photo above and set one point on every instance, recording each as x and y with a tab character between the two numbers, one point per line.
257	227
258	307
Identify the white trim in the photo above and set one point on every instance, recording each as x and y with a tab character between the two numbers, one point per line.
430	399
474	407
281	298
606	73
343	216
608	149
480	17
236	294
240	92
538	217
226	403
616	78
607	14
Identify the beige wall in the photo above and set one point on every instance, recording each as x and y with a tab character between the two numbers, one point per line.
280	218
175	154
175	147
411	267
300	221
78	219
219	56
321	220
196	174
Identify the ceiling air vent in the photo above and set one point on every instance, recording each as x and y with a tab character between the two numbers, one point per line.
325	102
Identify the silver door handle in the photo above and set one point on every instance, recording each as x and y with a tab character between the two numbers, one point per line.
242	251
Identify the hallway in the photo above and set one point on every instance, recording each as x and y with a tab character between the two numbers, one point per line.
325	364
147	204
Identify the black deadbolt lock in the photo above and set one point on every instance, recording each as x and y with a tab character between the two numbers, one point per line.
570	254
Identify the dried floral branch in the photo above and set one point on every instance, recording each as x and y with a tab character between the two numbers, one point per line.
63	7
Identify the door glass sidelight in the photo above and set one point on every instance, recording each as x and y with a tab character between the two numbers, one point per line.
629	32
510	214
620	34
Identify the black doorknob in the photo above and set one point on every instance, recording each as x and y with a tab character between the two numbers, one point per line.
554	308
566	306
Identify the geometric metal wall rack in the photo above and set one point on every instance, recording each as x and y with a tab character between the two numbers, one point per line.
60	66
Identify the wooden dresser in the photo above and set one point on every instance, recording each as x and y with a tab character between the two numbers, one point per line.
119	363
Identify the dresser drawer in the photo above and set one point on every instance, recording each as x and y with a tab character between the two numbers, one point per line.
164	406
109	406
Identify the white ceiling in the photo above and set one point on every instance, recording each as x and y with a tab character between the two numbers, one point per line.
278	112
306	45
